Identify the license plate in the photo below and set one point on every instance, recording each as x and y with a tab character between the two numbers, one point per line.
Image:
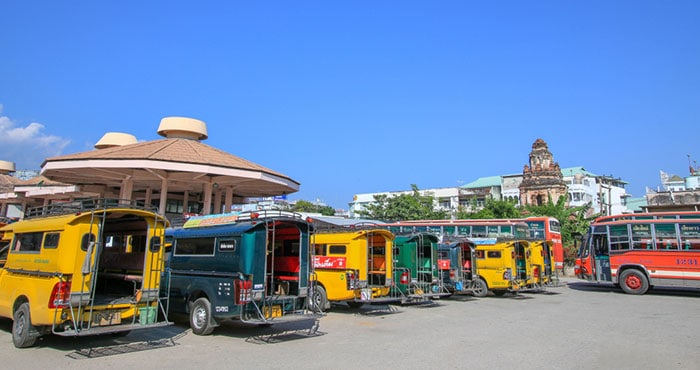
106	318
272	311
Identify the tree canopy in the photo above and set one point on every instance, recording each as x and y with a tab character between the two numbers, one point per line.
306	206
411	206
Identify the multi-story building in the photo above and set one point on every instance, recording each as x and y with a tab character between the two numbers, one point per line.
676	193
540	181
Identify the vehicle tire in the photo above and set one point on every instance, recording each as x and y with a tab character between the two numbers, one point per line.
22	329
480	288
355	304
200	317
634	282
499	293
319	299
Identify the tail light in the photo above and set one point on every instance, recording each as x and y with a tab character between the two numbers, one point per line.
404	278
60	295
244	291
452	274
350	278
536	272
512	254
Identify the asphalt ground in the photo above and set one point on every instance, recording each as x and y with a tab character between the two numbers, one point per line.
575	326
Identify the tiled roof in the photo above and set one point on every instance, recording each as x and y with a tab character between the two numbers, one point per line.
571	171
483	182
170	150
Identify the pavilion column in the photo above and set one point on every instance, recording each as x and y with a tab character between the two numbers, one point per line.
217	201
125	193
149	196
186	201
229	199
163	195
207	199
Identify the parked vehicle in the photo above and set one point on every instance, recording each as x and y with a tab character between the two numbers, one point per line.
416	274
503	265
544	273
457	267
252	267
640	251
82	268
354	266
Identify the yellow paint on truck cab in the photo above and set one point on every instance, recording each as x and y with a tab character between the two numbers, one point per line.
79	273
497	264
543	268
352	265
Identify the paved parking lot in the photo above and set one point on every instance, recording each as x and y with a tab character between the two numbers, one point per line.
576	326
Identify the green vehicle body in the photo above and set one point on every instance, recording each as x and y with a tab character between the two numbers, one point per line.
416	274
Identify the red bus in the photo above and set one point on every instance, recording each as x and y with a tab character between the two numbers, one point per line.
650	216
639	253
538	227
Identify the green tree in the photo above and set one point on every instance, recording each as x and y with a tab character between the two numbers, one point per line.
412	206
493	209
306	206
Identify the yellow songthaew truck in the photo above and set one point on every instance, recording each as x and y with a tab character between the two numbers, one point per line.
503	265
82	268
542	261
353	266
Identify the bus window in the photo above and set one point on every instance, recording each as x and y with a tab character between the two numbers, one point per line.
690	236
619	237
554	226
666	238
479	231
600	245
641	236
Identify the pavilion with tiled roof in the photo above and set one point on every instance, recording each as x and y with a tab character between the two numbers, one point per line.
179	170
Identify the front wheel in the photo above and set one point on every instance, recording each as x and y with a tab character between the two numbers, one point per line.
22	329
200	317
634	282
480	288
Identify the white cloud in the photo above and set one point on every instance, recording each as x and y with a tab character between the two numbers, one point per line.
27	146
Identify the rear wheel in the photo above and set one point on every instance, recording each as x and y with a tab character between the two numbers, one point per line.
480	288
200	317
22	329
634	282
319	299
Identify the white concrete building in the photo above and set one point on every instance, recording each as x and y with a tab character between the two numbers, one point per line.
606	194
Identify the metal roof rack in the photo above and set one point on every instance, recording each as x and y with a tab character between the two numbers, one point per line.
85	205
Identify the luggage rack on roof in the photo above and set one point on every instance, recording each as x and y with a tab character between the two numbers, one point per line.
84	205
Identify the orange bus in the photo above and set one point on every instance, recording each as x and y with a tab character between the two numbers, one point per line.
536	227
637	254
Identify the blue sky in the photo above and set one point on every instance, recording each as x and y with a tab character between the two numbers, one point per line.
363	96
